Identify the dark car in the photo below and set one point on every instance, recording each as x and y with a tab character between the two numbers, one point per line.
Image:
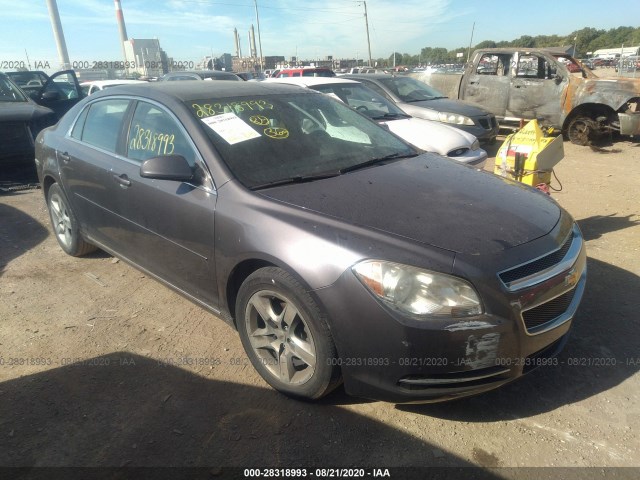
21	119
253	76
423	101
24	113
199	75
338	253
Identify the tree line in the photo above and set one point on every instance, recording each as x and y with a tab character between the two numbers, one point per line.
586	40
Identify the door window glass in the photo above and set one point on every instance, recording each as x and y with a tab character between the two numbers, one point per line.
103	123
154	133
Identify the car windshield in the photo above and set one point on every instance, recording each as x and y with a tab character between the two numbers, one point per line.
410	90
288	137
10	92
363	99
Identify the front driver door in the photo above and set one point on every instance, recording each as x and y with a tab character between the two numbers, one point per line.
488	83
168	225
61	92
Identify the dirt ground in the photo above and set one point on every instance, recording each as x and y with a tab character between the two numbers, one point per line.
101	366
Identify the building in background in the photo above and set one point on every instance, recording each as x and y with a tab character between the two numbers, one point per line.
149	59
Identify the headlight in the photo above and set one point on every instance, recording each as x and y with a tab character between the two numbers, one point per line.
475	145
454	118
418	292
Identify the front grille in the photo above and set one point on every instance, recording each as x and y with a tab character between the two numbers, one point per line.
457	152
538	265
547	312
488	122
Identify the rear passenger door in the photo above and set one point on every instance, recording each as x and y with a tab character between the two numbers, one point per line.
86	168
168	225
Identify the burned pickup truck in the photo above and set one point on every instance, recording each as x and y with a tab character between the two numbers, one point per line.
555	89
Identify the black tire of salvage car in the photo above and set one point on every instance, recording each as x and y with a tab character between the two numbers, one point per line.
78	245
327	375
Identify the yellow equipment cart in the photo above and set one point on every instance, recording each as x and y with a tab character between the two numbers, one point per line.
528	156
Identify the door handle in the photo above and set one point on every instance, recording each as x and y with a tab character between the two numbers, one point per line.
64	157
123	180
473	83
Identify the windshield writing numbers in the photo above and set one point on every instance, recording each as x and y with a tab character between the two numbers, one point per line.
211	109
146	139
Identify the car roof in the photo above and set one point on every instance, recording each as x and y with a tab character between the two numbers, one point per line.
187	91
206	73
310	81
370	76
104	83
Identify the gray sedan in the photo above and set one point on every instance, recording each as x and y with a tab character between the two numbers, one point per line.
423	101
339	254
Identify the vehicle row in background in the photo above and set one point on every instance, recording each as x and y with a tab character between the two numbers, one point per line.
425	134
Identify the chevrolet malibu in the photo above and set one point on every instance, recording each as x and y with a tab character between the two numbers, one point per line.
338	252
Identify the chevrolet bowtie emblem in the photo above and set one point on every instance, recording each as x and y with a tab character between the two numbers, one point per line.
572	278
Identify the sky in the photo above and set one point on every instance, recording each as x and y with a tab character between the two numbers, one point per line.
190	29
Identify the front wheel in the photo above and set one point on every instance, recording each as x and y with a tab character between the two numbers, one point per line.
285	335
65	224
581	130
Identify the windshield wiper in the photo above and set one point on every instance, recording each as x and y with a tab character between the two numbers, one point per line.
374	161
391	116
296	179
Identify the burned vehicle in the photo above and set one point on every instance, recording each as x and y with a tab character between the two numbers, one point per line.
517	84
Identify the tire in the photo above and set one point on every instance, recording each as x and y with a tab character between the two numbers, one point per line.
581	130
285	335
65	224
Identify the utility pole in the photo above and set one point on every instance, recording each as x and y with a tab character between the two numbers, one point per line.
366	22
259	38
471	41
58	34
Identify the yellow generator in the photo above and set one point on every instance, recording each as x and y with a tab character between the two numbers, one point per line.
528	156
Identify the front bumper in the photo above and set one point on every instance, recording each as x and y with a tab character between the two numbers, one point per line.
475	158
388	356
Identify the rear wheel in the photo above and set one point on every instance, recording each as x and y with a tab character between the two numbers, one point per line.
65	224
285	335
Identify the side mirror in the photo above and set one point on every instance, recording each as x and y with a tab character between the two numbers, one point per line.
558	79
167	167
51	96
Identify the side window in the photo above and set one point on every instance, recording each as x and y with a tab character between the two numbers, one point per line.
531	66
490	64
103	123
296	74
376	88
63	86
79	126
154	133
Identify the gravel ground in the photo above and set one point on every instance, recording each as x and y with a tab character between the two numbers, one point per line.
101	366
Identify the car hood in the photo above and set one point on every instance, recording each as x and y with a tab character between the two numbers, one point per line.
449	105
429	135
431	200
22	111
